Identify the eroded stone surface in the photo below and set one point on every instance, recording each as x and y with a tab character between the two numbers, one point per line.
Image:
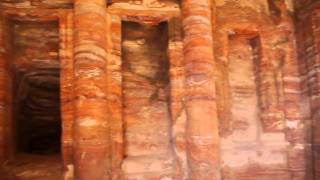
224	89
146	97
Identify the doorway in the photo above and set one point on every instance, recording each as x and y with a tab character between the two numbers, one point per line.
33	63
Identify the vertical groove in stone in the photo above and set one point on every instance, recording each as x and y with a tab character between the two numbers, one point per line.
176	67
314	90
177	82
115	94
271	114
66	88
314	66
91	128
295	124
202	122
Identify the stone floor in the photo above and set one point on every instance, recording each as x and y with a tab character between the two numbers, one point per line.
32	167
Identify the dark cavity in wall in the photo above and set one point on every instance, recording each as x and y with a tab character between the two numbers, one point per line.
36	87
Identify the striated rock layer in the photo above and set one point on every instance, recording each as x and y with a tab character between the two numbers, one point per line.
145	101
162	89
90	126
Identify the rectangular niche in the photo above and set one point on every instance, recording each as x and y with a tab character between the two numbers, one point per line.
145	89
35	76
243	78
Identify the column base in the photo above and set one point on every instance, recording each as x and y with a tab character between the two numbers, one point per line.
148	167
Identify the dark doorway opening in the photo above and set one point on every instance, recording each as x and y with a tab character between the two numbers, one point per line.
38	112
33	101
36	87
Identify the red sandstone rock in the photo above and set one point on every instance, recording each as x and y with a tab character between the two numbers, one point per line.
202	124
91	144
162	90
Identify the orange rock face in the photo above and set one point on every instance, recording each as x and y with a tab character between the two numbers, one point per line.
160	90
146	101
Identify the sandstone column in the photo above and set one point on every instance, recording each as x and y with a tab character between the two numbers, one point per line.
202	121
91	141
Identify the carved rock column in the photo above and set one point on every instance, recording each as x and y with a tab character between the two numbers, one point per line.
202	122
91	137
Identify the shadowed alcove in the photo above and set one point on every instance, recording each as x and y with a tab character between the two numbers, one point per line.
160	89
146	95
36	97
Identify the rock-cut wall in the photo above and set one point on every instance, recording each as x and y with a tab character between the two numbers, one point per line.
190	89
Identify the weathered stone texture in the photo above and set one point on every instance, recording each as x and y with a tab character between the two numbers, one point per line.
36	76
307	26
200	98
145	103
91	146
5	141
191	89
115	98
36	3
275	136
66	88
